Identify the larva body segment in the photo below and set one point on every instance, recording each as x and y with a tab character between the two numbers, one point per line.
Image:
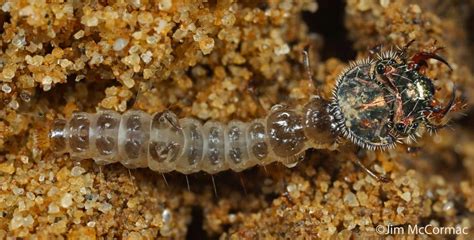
257	142
286	134
318	124
133	135
165	143
193	151
214	137
57	136
236	146
79	138
106	128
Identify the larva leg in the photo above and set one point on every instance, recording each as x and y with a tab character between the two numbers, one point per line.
166	142
307	66
214	186
133	139
369	172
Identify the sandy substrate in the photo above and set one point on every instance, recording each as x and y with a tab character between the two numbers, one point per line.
198	60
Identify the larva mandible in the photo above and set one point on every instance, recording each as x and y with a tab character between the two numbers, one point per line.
367	107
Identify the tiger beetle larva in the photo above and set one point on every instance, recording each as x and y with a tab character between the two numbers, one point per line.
377	101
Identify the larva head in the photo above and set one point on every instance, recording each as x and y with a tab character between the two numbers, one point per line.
378	102
361	107
407	89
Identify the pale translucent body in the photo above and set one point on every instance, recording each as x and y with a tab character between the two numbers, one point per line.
164	143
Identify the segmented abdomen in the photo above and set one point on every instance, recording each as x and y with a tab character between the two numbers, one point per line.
165	143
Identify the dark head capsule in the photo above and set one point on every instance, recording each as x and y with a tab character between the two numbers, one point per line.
377	102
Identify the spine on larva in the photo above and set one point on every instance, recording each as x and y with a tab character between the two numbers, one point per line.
164	143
